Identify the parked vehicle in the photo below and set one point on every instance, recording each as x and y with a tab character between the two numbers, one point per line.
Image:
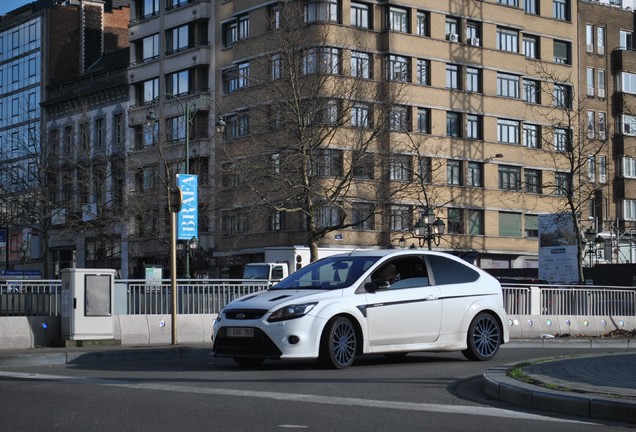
351	304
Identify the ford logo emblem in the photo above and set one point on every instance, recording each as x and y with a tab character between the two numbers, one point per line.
240	316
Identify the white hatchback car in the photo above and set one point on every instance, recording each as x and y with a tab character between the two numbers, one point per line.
373	301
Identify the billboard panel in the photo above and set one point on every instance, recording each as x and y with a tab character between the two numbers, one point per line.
188	217
558	249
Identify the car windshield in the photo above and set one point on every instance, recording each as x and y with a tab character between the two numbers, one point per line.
328	273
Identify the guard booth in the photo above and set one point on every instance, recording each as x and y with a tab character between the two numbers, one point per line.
87	303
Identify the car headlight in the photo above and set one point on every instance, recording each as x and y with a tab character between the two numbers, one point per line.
291	312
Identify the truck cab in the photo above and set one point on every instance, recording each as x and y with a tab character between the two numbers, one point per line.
270	271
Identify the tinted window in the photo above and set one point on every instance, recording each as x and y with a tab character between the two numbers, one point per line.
447	271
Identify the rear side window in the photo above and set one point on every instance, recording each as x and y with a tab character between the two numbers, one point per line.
447	271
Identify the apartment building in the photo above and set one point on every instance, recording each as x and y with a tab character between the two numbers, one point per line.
607	72
172	111
486	87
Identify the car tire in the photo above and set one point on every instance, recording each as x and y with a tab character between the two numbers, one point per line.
248	361
483	338
338	344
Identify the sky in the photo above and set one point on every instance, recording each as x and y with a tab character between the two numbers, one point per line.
9	5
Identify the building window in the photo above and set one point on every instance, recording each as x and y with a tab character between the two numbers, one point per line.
150	47
589	38
423	120
151	90
562	140
530	47
235	78
455	217
473	80
531	7
360	65
362	216
118	130
473	126
322	60
425	170
509	224
531	223
590	124
452	77
150	135
276	67
513	3
507	85
176	128
399	118
397	68
400	218
454	172
532	183
473	33
625	39
360	116
235	30
328	163
401	168
600	75
363	165
276	221
233	223
321	11
150	8
507	39
100	133
360	15
600	40
397	20
561	9
146	178
508	131
452	29
237	125
509	177
421	23
602	131
453	125
475	222
629	210
562	96
179	82
591	168
602	169
562	52
562	184
179	39
530	135
422	75
475	174
531	91
590	81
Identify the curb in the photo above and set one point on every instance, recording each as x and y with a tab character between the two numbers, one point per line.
498	385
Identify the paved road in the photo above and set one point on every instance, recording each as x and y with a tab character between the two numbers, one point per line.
155	391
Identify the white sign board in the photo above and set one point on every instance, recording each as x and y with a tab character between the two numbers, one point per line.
558	248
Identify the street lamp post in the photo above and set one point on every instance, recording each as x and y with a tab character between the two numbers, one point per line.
25	247
428	230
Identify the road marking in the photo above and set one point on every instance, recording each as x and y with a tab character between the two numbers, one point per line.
296	397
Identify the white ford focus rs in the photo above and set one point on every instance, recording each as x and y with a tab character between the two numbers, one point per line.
372	301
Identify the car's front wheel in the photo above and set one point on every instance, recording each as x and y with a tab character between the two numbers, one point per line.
338	344
484	338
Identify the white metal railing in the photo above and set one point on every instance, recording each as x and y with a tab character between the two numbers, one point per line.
520	299
208	296
30	298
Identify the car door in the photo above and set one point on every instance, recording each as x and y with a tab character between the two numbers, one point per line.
408	312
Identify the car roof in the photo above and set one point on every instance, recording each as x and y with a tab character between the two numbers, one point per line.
391	252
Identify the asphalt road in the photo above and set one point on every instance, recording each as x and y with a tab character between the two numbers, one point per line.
422	392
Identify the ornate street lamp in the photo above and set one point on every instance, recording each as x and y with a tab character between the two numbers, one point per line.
429	229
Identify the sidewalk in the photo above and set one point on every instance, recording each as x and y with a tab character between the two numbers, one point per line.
600	386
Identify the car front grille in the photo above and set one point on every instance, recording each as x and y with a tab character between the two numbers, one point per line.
258	346
244	314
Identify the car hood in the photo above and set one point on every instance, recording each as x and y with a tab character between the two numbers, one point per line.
273	299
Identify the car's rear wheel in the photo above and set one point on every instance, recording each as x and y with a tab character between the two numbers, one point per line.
248	361
484	338
338	344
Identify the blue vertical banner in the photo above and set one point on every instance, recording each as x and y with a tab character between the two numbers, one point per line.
188	217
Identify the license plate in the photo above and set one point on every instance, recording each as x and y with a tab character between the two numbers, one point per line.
239	332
